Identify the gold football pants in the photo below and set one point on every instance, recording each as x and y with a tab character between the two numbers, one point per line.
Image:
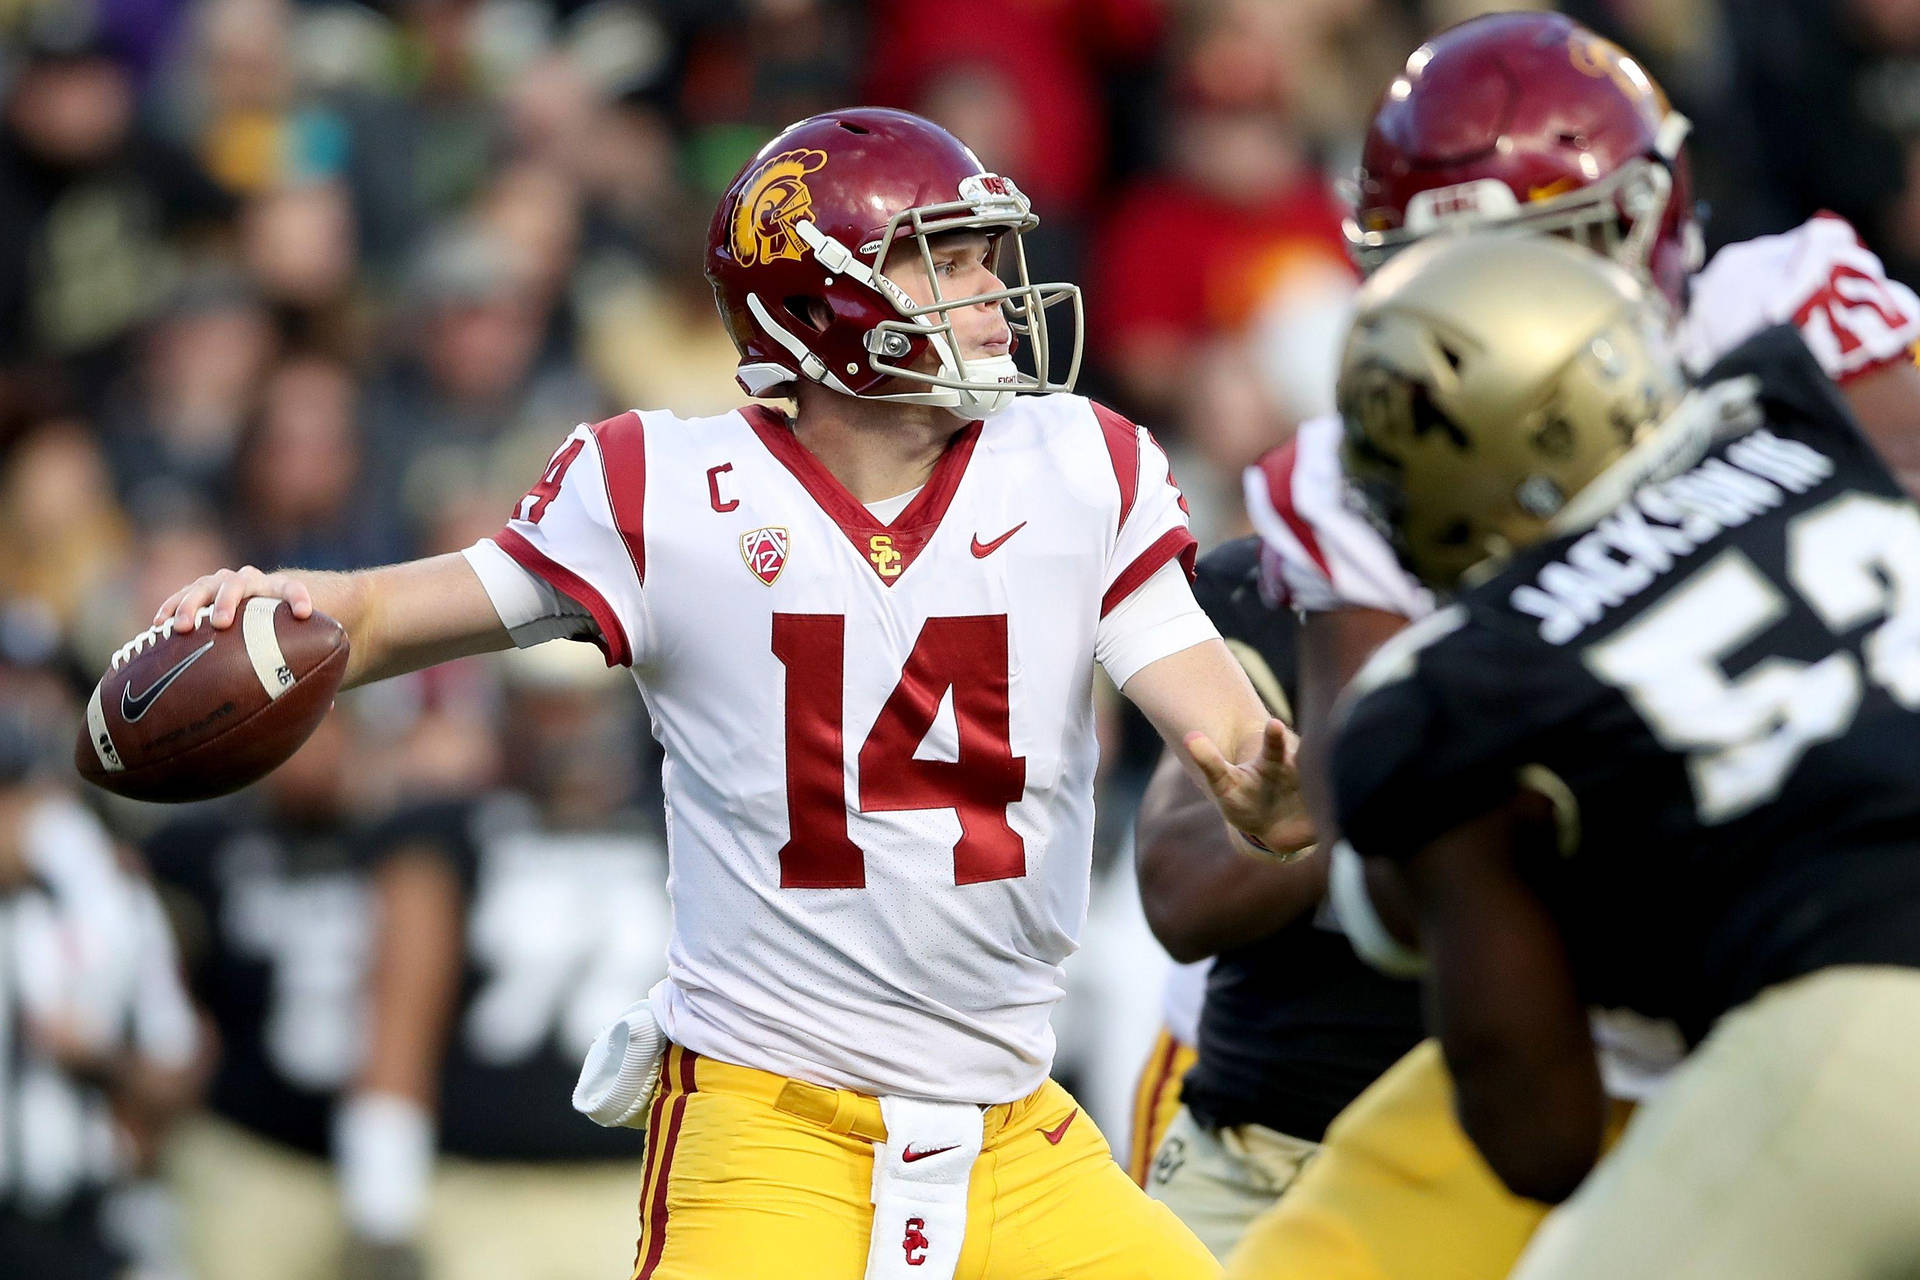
754	1176
1397	1192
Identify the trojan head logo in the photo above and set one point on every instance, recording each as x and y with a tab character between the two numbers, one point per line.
1596	56
773	200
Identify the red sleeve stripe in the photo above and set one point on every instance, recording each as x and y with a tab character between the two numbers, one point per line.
1173	543
1277	466
613	637
623	464
1123	450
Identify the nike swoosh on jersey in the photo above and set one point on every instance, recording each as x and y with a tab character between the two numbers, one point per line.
910	1155
133	706
1059	1131
981	550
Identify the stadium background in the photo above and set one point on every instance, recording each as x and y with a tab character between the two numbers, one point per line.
321	284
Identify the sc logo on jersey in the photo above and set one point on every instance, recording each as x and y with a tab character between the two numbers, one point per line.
916	1243
885	558
765	552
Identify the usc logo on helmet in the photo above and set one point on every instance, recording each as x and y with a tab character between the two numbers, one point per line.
1598	56
772	201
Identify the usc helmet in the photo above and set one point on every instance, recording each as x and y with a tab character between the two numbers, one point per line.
1529	119
1489	381
797	246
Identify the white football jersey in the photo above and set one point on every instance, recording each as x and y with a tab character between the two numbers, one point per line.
879	737
1321	554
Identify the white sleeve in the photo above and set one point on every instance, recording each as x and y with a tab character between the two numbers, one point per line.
1160	617
1152	529
1320	554
580	530
1818	277
530	608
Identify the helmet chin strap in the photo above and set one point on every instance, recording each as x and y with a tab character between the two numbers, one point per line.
970	402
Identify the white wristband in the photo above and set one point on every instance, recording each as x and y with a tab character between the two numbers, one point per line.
1375	943
383	1151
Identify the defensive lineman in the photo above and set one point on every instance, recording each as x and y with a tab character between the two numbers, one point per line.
1471	135
1654	753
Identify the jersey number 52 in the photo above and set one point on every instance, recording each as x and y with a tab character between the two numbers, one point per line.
965	654
1852	559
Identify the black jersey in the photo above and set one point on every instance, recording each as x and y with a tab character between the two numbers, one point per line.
1718	684
277	950
560	932
1294	1025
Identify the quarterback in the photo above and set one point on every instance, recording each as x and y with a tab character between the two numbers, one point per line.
866	634
1531	121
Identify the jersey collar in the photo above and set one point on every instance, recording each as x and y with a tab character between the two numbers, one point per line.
888	549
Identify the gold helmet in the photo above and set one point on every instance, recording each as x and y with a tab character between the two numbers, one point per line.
1487	380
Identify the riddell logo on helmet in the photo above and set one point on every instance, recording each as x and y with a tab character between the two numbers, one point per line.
772	201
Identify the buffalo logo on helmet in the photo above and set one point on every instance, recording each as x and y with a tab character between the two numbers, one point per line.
765	552
772	201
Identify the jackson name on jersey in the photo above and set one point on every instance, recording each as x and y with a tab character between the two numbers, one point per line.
879	734
1717	684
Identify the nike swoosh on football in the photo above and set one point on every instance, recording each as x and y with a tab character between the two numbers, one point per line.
1059	1131
910	1155
133	706
981	550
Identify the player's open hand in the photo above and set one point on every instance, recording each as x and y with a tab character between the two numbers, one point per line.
1259	796
225	591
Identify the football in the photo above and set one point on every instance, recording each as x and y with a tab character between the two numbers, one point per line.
197	714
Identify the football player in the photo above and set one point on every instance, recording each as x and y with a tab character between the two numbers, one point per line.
1294	1025
1681	649
1526	120
1175	1048
479	1005
866	633
273	900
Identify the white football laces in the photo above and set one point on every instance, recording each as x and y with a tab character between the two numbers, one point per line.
152	636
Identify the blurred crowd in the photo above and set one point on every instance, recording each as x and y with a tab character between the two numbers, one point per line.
318	283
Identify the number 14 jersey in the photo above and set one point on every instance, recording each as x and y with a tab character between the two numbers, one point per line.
879	736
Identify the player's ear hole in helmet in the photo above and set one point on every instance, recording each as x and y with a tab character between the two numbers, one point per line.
798	253
1497	389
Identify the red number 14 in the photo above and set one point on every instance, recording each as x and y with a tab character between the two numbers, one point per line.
967	655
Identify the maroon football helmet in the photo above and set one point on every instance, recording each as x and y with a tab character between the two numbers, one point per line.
810	221
1529	120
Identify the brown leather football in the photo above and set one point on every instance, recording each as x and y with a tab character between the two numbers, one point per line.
199	714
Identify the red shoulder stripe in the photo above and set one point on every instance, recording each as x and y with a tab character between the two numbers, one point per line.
613	637
623	464
1176	542
1123	450
1277	466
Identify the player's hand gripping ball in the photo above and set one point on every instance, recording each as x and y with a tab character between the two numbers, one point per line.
195	714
